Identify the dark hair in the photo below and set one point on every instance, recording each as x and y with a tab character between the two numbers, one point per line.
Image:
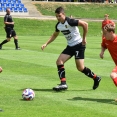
59	10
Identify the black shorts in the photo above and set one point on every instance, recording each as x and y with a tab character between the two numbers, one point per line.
10	32
77	51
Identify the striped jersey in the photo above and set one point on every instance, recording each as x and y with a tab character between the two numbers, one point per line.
70	30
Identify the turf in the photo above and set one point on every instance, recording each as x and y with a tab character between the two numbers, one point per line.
33	68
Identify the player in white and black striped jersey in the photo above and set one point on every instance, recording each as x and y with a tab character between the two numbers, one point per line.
75	47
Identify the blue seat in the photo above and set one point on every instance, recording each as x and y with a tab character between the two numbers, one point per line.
21	5
13	1
11	9
15	9
19	2
25	9
4	9
16	5
9	1
12	5
4	1
8	5
20	9
1	1
1	9
2	5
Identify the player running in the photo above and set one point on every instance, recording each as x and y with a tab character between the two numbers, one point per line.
110	42
75	47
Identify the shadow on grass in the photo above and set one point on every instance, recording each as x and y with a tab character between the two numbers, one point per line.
109	101
51	90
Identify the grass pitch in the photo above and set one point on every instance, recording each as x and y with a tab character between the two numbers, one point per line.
33	68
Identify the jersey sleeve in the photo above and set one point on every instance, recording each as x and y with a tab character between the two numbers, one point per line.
5	18
72	22
103	43
56	29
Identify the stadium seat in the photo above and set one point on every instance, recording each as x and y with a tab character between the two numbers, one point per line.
13	1
12	5
9	1
4	1
21	5
20	10
16	5
19	2
25	9
4	9
15	10
1	9
2	5
11	9
8	5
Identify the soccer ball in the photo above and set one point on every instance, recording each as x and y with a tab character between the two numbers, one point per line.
0	69
28	94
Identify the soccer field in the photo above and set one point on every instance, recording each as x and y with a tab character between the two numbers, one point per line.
33	68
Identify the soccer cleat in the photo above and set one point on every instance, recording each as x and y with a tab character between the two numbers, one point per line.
60	87
18	48
96	82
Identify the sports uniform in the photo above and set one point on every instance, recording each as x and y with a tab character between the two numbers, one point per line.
112	48
72	35
75	47
10	32
9	28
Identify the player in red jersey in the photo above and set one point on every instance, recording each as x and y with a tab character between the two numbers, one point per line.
106	21
110	42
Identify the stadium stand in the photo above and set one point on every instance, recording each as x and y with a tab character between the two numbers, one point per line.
16	6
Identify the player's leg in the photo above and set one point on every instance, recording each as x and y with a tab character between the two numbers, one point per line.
15	40
61	72
79	59
8	35
113	75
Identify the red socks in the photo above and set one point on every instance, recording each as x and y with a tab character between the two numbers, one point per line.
115	81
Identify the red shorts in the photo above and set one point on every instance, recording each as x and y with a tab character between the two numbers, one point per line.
115	69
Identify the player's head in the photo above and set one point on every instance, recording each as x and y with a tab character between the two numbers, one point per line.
60	14
109	30
109	27
106	16
8	11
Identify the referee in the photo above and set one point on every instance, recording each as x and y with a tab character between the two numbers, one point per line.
10	32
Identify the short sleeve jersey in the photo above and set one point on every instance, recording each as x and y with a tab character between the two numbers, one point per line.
70	30
112	47
8	18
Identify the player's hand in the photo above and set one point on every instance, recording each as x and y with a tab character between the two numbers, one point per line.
43	46
84	42
101	55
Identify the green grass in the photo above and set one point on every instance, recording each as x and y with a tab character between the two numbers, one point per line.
33	68
94	10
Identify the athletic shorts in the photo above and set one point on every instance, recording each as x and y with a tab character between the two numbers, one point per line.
115	69
77	51
10	32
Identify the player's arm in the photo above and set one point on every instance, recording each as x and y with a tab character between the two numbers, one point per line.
84	25
8	23
102	52
52	38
